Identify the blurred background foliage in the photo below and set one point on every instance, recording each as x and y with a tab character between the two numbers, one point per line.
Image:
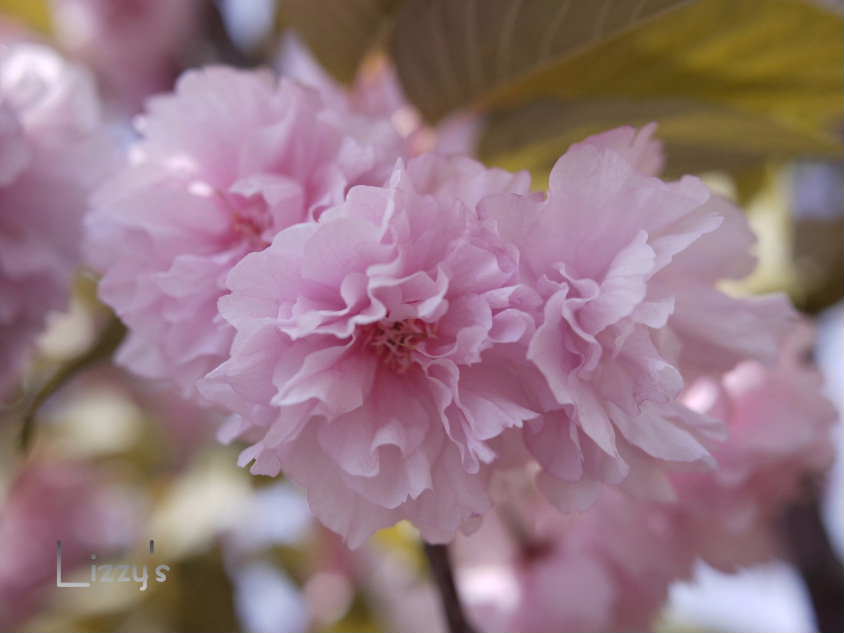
748	93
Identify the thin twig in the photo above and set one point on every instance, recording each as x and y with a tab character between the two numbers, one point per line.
440	565
100	350
813	556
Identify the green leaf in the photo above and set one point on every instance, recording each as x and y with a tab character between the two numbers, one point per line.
782	58
732	82
698	136
451	53
339	32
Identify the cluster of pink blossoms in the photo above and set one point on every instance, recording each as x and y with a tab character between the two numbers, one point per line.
392	331
52	153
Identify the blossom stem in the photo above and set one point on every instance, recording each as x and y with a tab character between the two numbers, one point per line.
102	349
440	565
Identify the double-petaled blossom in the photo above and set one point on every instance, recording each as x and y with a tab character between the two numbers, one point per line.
224	163
390	338
52	152
626	266
363	364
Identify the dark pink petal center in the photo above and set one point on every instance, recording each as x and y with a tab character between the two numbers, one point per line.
251	221
395	342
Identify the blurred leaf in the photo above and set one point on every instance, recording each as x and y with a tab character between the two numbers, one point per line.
732	81
698	136
779	57
451	53
750	183
33	13
338	32
198	595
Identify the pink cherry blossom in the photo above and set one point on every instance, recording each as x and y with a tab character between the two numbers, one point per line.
52	153
781	432
376	100
530	568
626	265
45	503
360	364
373	102
224	163
135	46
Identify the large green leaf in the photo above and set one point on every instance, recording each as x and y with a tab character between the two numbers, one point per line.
731	81
698	136
338	32
778	57
453	53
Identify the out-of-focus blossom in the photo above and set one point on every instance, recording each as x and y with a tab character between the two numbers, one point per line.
376	95
609	569
135	45
626	265
357	366
46	503
224	163
52	152
374	103
780	426
530	568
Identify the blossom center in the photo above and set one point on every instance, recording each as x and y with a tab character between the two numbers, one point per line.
395	342
250	223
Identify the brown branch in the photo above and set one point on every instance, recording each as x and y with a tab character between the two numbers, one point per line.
101	350
440	564
812	554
